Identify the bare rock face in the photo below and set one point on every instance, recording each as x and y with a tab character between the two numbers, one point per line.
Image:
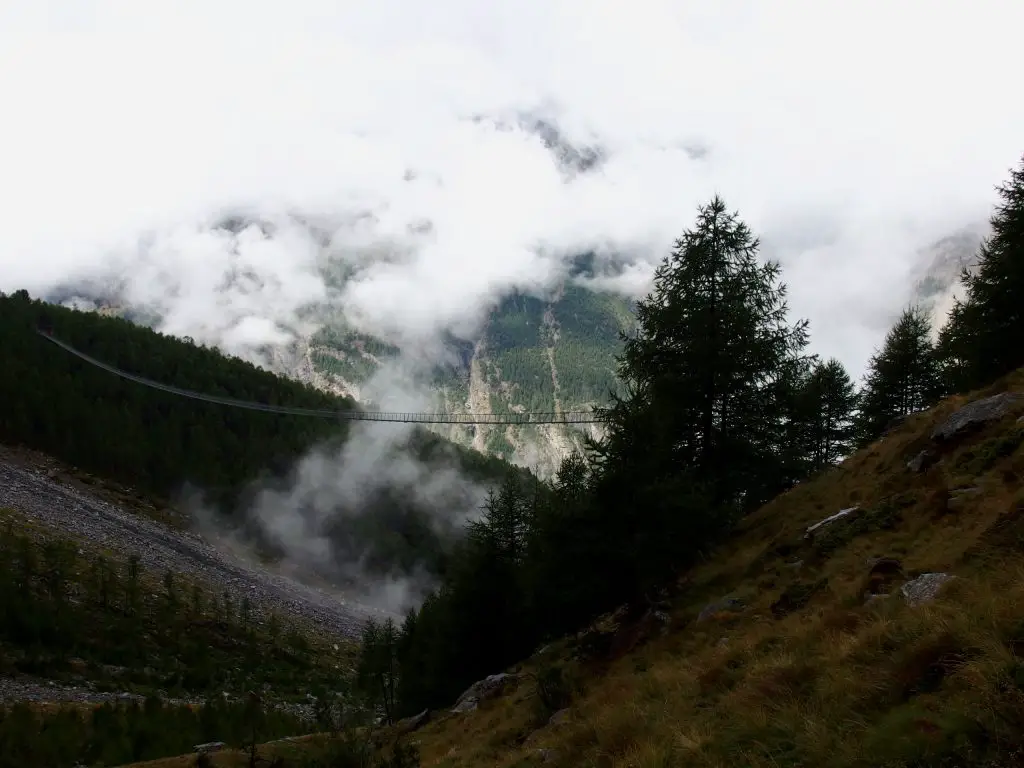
976	414
924	588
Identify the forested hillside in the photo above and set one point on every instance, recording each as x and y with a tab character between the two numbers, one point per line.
157	442
754	555
722	411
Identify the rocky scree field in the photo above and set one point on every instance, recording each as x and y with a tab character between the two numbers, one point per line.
108	602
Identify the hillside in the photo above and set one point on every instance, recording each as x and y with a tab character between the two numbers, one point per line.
121	640
794	649
533	354
158	445
545	354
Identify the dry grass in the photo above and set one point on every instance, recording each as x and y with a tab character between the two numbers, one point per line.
236	758
833	681
826	678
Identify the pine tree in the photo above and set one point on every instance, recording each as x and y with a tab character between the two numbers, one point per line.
902	378
984	336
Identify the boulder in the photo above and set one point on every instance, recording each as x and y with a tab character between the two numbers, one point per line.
481	690
410	724
727	605
922	461
208	747
976	414
924	588
958	497
837	516
559	717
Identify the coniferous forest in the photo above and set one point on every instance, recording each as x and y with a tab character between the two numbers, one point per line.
157	443
721	408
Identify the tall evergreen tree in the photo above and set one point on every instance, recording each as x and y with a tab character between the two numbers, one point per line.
713	352
696	439
902	378
984	336
828	403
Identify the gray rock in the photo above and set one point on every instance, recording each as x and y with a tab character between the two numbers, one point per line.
924	588
210	746
84	518
976	413
730	604
828	520
560	717
546	755
410	724
481	690
922	461
959	497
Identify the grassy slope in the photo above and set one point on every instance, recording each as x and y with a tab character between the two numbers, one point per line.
836	682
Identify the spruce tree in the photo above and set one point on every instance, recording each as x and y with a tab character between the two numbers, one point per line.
902	378
984	336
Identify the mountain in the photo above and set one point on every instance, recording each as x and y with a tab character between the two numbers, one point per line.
533	354
937	271
553	353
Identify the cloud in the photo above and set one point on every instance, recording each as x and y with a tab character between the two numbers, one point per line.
341	512
435	153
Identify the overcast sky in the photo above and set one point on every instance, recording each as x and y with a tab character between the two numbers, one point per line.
848	135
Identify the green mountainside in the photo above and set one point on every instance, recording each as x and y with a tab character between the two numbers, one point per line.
532	355
159	443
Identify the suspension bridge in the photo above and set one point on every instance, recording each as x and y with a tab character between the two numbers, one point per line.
547	417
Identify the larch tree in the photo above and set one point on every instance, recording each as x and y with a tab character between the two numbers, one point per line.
695	440
830	403
903	377
984	336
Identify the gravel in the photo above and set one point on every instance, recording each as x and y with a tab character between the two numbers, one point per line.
81	516
38	691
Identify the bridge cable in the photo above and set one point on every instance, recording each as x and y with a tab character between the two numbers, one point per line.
569	417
